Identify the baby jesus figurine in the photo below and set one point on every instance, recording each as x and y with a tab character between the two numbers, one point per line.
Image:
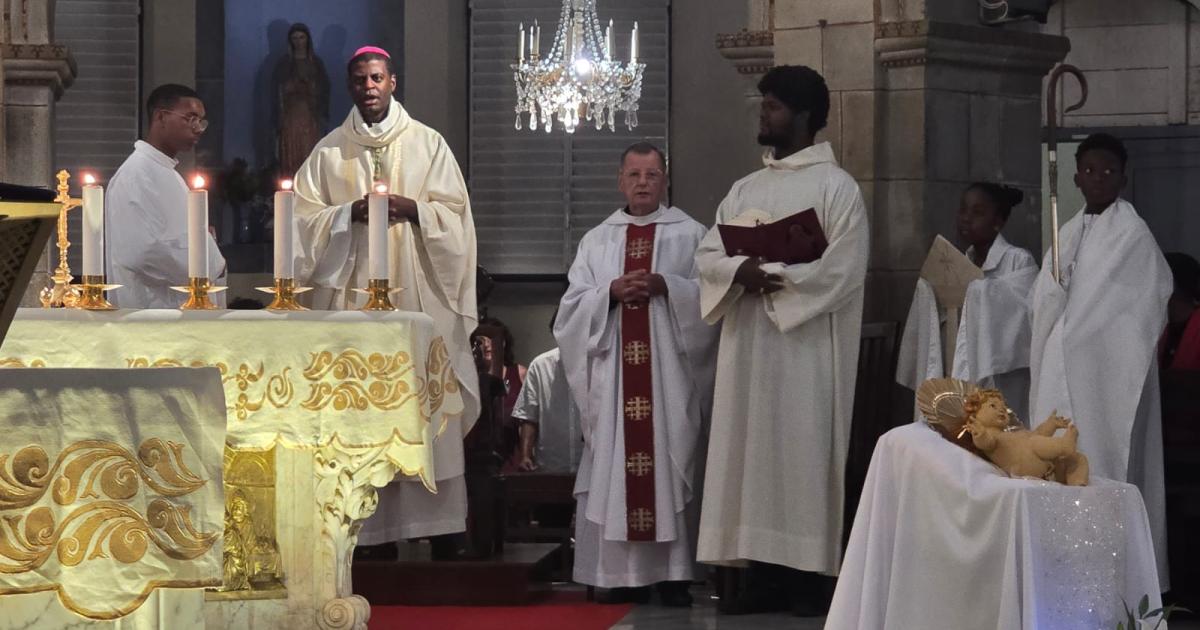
1019	451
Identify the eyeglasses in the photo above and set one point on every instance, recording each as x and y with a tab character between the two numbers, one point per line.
651	176
198	124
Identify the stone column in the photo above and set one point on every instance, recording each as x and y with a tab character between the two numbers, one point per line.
959	103
35	73
924	100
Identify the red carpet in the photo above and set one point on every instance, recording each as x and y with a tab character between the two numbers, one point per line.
560	611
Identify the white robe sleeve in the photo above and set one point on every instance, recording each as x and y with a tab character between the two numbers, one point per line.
441	209
324	239
143	246
994	337
920	354
830	282
718	293
696	338
529	402
583	327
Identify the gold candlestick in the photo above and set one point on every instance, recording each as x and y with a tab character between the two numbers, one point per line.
61	294
198	290
378	296
285	291
91	295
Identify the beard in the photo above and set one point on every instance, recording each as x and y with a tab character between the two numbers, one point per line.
773	138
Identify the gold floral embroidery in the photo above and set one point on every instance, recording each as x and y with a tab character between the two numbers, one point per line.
352	364
82	535
13	362
440	378
278	392
350	371
26	477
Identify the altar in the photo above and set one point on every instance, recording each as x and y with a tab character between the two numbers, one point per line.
322	408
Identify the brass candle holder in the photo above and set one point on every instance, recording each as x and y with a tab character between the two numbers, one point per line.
285	291
91	294
61	293
198	290
378	295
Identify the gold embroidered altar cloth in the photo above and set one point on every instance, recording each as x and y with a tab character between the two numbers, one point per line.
110	484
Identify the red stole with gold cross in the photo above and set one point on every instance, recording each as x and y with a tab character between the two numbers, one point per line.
637	385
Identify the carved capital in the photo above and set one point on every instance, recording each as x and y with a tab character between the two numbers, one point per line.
923	42
752	52
48	65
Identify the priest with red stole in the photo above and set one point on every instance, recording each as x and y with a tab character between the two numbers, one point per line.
639	361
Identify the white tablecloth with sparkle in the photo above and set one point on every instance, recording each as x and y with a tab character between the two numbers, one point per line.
943	539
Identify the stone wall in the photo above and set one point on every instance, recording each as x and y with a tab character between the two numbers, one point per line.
1141	58
924	101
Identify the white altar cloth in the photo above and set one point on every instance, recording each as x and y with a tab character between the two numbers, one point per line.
301	380
943	539
110	489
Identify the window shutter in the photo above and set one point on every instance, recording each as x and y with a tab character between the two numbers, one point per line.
533	194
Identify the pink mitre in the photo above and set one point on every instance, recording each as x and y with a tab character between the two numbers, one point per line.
370	49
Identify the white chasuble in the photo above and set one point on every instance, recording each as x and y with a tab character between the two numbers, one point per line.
432	261
642	399
785	374
1094	340
146	230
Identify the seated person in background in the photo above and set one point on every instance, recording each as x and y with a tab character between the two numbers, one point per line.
548	417
992	341
1180	345
513	375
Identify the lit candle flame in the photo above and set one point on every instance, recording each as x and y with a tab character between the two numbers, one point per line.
89	179
285	184
198	182
381	188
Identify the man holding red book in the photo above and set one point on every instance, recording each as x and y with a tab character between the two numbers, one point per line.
788	354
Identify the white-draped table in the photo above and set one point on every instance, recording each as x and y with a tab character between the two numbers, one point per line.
354	398
110	495
943	539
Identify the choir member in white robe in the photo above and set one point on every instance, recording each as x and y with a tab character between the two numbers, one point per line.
546	408
992	346
1096	332
146	203
634	489
431	257
788	353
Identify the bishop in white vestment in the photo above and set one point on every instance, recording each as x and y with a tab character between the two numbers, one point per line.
639	362
146	204
1096	332
431	257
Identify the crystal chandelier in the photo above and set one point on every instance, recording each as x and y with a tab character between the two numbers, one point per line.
579	77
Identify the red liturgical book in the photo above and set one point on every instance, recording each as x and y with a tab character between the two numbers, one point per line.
796	238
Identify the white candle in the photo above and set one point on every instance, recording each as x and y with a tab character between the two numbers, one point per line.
633	45
608	41
285	208
93	227
537	39
197	209
521	43
377	230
